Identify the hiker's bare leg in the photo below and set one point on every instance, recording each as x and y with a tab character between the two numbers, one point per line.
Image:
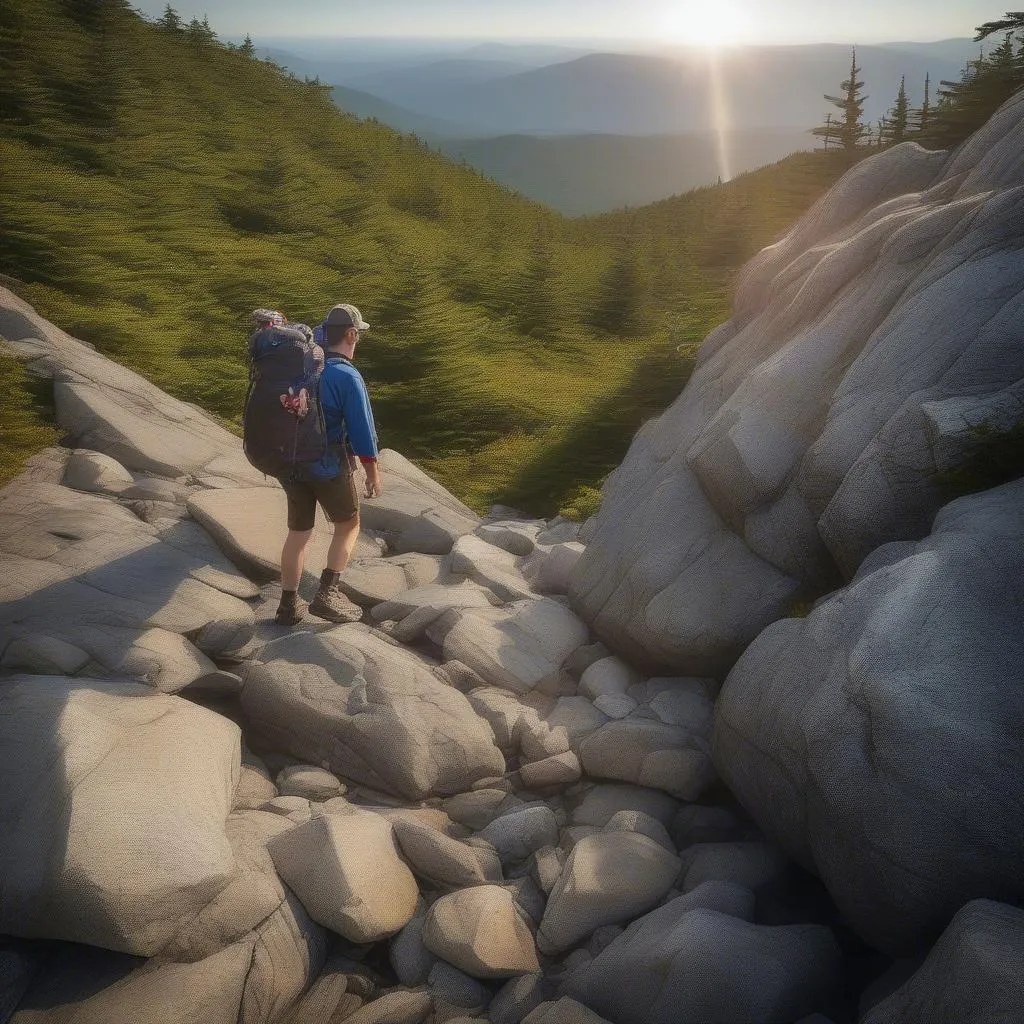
293	557
343	543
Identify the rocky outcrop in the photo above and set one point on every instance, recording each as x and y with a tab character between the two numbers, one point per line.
813	426
88	587
112	811
370	711
674	966
104	407
974	973
878	740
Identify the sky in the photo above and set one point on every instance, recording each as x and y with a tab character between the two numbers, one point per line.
658	22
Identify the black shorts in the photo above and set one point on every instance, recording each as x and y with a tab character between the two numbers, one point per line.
337	497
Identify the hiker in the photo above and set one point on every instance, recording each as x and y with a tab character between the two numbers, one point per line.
348	420
306	421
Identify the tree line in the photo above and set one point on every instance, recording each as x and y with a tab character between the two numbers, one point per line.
959	108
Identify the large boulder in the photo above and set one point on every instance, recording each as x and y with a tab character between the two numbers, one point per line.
346	870
482	932
77	988
86	586
113	804
416	512
369	581
257	912
811	429
93	471
650	753
973	975
696	960
519	647
877	741
609	878
106	408
369	711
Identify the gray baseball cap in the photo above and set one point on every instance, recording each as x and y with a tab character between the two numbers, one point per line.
345	315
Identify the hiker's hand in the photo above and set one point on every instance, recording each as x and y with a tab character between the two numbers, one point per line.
373	484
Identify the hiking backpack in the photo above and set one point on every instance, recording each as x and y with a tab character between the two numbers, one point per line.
283	425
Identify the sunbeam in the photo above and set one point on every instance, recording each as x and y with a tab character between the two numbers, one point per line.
719	113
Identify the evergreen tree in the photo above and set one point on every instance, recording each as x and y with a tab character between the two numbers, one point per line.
985	84
247	47
170	20
923	115
199	32
1013	22
537	310
849	131
618	305
896	124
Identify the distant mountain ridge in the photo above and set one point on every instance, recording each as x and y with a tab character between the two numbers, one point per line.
590	132
635	94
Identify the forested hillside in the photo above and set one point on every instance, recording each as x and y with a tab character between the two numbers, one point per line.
159	185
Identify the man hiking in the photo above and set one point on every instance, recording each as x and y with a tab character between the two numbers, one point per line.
348	420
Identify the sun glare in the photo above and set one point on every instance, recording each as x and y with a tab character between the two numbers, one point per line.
711	24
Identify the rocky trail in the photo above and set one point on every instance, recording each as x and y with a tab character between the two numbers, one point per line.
558	774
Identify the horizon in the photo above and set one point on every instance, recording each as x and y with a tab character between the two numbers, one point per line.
601	23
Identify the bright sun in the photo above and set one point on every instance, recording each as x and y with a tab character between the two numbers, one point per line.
707	23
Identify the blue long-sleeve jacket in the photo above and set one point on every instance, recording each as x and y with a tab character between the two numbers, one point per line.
347	416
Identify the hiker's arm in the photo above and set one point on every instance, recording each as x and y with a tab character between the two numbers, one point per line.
359	421
361	433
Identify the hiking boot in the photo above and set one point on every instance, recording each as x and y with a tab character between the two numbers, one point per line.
290	612
331	604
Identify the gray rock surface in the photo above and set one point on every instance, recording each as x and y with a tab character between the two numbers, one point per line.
692	961
415	511
973	974
209	991
398	1007
415	609
482	932
370	711
250	525
442	862
85	586
877	741
309	781
518	834
410	958
515	536
346	870
802	441
519	647
489	566
563	1011
255	910
652	754
609	878
369	581
600	802
93	471
549	569
517	998
112	811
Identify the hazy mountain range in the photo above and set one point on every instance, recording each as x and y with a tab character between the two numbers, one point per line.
519	113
